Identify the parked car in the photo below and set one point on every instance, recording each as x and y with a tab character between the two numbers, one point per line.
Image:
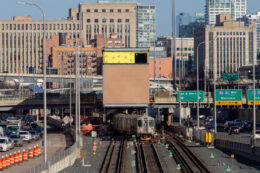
4	116
5	144
18	141
35	135
233	130
202	117
210	118
227	125
29	121
246	126
33	125
257	130
28	117
39	129
26	136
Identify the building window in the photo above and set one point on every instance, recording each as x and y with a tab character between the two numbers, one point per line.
58	26
88	10
127	10
96	20
111	10
103	10
104	20
127	20
88	20
96	10
111	20
119	10
61	26
54	26
119	20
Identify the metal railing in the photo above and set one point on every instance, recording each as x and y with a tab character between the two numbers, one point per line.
54	159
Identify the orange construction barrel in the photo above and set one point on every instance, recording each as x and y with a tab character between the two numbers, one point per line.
1	166
30	153
16	157
25	155
3	162
20	156
7	160
11	159
35	151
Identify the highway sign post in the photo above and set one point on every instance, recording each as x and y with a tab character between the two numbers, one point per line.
190	96
250	97
229	97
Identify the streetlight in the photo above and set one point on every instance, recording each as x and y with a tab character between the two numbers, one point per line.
44	75
254	112
76	103
174	42
198	109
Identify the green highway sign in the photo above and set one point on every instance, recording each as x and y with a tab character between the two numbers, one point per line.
190	96
229	97
230	76
250	97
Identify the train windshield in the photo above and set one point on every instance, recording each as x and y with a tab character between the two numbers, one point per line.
151	123
139	123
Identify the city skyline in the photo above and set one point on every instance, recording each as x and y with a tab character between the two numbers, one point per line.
163	10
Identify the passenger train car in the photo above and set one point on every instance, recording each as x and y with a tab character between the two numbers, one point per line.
142	126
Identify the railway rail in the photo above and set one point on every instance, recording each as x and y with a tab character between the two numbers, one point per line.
114	161
190	163
148	159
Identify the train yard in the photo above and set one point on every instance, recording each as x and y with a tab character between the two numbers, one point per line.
147	157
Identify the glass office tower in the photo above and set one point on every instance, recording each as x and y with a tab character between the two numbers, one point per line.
237	9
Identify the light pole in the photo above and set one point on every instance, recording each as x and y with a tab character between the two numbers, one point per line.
198	109
254	112
44	75
76	83
174	42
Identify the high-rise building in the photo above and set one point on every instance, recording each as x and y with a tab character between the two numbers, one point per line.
165	41
186	24
255	20
228	46
145	21
146	26
236	8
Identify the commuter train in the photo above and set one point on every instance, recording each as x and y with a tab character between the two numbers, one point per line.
142	126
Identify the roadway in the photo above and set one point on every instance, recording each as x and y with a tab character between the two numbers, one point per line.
57	142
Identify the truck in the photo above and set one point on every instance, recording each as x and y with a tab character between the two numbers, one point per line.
13	128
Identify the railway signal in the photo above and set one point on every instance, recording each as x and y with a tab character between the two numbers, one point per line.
212	155
178	166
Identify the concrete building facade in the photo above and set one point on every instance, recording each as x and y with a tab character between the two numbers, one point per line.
228	46
21	42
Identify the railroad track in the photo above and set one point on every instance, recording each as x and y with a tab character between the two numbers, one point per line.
114	161
190	163
148	159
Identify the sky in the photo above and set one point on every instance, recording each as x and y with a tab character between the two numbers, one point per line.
57	9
